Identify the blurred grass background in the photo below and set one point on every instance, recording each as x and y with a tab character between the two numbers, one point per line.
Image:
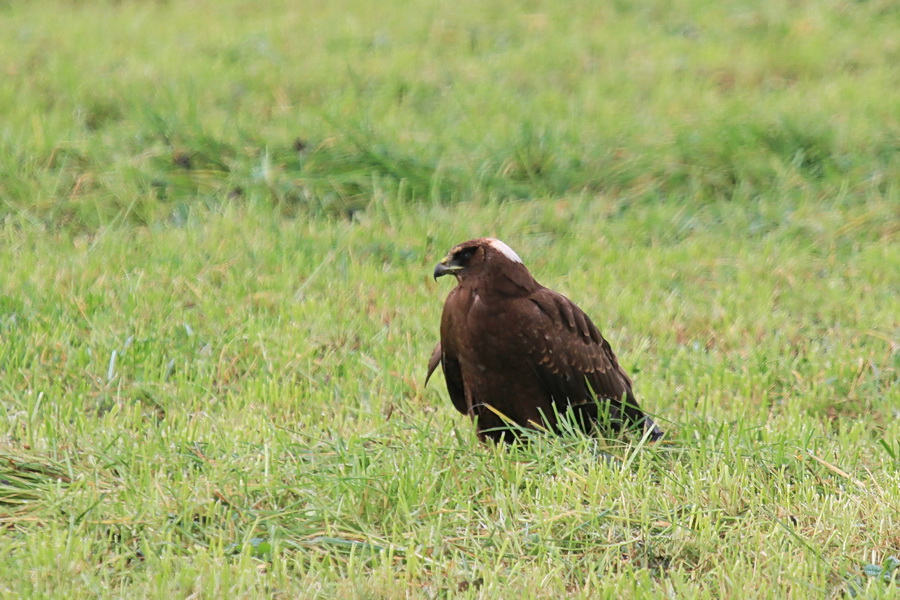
217	228
137	110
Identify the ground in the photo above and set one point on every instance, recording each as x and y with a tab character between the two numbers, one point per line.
219	224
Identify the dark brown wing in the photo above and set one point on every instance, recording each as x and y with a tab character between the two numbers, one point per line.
573	361
448	348
452	375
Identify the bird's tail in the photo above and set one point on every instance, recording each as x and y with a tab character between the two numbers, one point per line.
635	417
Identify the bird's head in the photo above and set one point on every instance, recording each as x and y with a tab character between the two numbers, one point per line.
479	258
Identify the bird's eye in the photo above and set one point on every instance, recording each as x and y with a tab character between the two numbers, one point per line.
463	256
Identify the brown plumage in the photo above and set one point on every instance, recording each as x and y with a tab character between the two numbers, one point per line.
513	350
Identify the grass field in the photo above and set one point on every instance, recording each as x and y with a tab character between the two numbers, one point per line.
217	231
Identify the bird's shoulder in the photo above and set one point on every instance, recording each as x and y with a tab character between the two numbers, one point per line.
554	310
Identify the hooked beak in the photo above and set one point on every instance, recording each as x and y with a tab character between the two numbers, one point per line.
445	267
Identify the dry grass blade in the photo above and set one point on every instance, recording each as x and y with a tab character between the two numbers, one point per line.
835	469
22	481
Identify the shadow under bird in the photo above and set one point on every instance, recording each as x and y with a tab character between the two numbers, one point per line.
516	354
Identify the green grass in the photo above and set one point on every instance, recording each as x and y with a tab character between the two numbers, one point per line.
217	229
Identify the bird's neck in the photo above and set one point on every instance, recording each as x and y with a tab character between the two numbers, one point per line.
508	282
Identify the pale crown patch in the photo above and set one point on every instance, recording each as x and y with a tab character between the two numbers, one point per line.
504	250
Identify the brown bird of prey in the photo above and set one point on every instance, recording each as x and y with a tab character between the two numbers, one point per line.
515	353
